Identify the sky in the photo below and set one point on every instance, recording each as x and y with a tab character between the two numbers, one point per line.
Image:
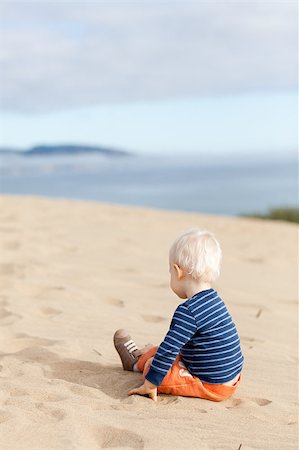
149	76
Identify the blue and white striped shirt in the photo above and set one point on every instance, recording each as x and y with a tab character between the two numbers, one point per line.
203	332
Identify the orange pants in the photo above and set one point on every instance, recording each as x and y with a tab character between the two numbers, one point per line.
178	381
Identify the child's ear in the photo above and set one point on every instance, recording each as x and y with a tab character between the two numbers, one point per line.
179	271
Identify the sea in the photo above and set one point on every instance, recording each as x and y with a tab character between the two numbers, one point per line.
231	186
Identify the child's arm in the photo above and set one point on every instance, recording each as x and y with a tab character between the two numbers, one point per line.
181	329
147	388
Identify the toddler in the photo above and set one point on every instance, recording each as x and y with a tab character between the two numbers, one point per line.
200	355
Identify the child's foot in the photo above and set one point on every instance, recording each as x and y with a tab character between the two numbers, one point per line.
126	348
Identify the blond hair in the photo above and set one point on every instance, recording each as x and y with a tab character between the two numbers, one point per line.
199	253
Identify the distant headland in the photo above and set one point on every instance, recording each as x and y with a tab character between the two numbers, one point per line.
64	149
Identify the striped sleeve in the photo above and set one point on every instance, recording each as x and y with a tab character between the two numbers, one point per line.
182	328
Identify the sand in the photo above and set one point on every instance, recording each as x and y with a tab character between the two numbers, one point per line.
73	272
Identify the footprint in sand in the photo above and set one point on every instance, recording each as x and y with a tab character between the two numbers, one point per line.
234	403
4	313
39	292
115	302
9	218
84	373
7	269
261	401
7	317
55	414
8	230
291	302
152	319
237	402
25	342
12	245
30	341
254	260
59	288
55	398
111	437
51	312
167	400
83	391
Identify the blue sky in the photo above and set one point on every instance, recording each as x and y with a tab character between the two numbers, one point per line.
259	122
150	77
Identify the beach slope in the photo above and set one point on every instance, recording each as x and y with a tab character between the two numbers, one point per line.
73	272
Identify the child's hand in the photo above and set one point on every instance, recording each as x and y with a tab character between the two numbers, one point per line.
146	389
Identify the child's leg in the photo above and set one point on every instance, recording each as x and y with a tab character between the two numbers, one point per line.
142	363
179	381
145	350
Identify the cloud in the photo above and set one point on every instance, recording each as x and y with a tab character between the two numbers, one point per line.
62	55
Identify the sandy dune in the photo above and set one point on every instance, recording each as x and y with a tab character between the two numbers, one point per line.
73	272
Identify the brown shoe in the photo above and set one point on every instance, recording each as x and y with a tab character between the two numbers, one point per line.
126	348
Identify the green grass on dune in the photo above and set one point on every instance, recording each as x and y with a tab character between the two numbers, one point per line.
286	214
